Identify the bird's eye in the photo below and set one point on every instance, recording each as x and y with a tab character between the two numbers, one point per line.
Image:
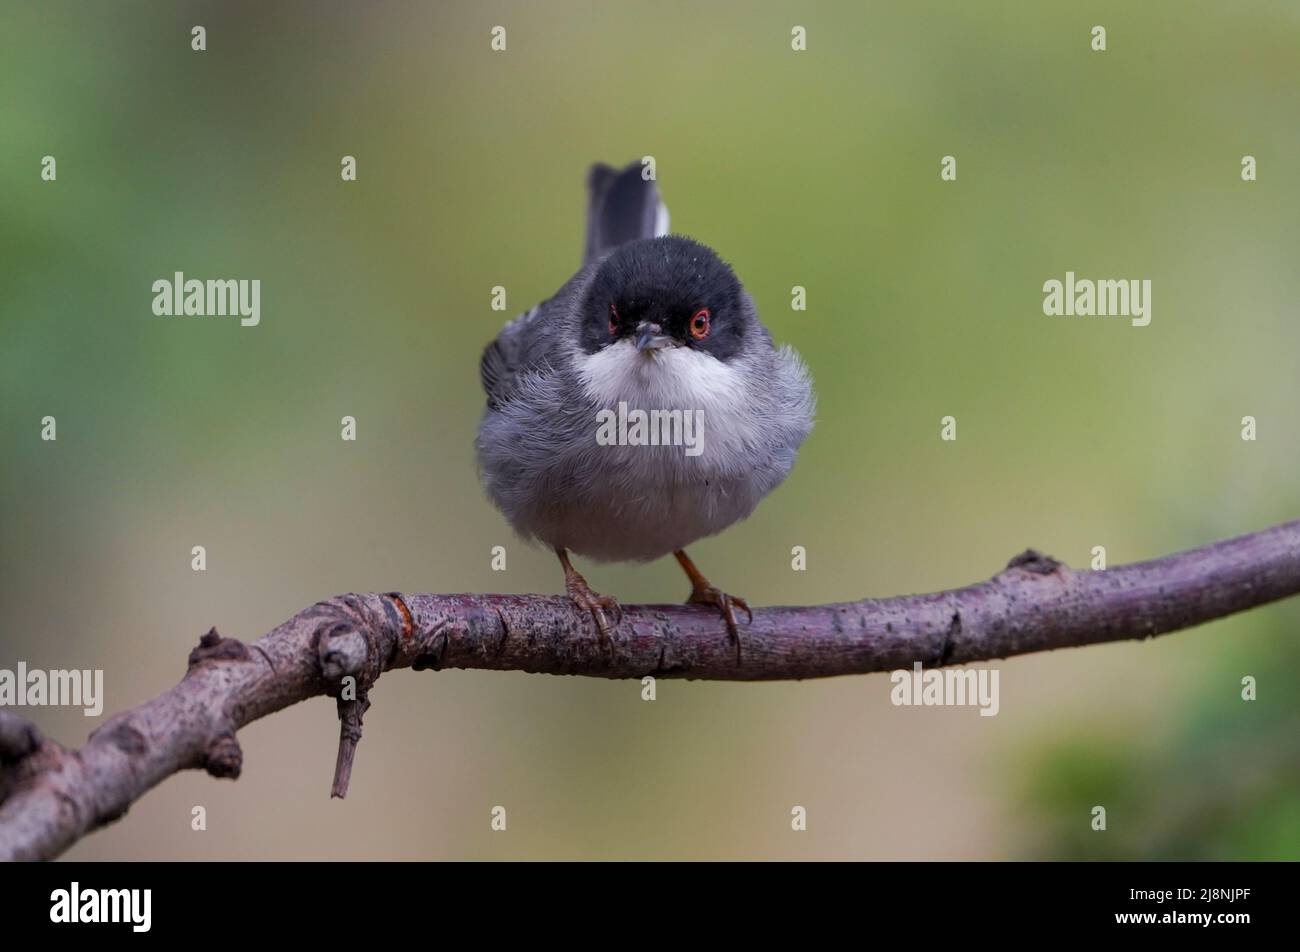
613	319
700	324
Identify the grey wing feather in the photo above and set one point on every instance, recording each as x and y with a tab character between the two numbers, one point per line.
532	342
508	355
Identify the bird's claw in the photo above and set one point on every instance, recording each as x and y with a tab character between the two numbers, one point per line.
726	605
581	595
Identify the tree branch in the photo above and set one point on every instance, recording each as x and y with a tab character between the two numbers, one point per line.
51	796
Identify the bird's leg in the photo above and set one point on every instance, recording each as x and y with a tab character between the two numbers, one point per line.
580	594
702	593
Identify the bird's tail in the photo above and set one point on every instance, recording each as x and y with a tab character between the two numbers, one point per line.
622	206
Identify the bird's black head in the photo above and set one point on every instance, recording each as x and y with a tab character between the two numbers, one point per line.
665	292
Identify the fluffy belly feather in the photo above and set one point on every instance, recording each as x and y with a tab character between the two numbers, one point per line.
623	525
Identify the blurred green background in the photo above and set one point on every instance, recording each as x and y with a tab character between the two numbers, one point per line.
818	168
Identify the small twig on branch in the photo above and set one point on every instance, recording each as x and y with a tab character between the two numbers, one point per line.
51	796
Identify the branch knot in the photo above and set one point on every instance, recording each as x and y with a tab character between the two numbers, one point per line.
213	647
224	758
1031	560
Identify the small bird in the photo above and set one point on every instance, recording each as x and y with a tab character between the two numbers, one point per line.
654	323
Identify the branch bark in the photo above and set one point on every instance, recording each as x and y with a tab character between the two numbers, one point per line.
51	796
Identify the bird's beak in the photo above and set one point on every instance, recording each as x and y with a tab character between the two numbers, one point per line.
651	337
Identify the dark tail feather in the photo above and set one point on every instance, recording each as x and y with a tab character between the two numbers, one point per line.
621	207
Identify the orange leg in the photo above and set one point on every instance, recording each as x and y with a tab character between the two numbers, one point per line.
702	593
580	594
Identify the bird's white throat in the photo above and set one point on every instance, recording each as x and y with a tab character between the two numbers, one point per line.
672	378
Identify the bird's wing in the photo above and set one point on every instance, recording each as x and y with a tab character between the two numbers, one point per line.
622	206
511	354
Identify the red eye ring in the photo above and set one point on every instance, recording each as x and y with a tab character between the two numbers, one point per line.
700	324
613	319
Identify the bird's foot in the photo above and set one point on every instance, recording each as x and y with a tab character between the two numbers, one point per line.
726	605
702	593
595	604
